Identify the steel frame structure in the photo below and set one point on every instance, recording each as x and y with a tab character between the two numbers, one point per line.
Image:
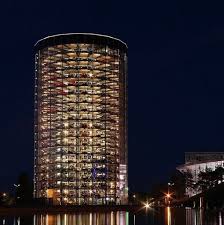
81	119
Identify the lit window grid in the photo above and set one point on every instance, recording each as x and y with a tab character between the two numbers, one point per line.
80	123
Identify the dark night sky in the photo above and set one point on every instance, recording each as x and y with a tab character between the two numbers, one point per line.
176	77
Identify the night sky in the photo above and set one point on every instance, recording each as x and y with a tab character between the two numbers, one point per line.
176	77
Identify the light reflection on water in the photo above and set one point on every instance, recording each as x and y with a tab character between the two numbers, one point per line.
201	217
167	216
112	218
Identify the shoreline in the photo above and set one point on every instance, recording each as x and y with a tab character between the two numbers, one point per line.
31	210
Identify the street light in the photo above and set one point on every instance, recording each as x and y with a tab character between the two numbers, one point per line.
167	198
169	185
16	188
147	205
168	195
16	185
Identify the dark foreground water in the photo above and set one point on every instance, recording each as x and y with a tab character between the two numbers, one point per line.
150	217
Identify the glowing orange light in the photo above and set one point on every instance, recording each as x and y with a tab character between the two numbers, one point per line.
168	195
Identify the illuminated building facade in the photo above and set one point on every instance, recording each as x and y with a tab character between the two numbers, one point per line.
81	119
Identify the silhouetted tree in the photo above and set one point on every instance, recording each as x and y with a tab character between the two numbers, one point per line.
6	198
210	178
158	190
205	179
177	181
218	175
24	191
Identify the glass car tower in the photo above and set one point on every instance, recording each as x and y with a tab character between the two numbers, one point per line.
80	142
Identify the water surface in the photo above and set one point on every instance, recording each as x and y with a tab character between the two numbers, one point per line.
167	216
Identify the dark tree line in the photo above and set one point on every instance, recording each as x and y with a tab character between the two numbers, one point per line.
210	178
206	179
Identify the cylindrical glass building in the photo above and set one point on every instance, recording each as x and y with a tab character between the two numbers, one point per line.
80	154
